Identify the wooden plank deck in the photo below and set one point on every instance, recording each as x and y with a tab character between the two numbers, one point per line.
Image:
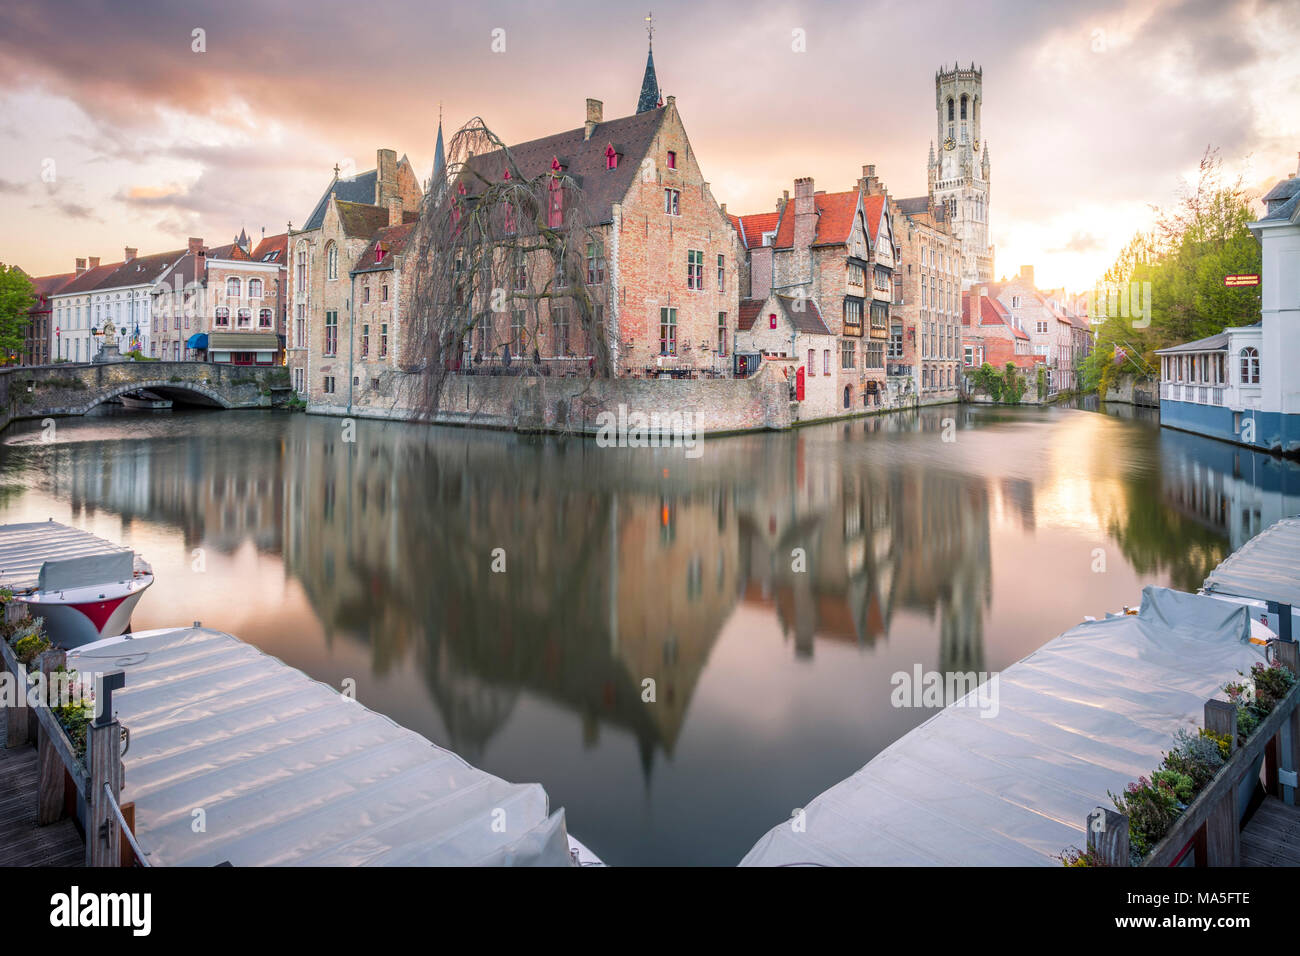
1272	837
22	842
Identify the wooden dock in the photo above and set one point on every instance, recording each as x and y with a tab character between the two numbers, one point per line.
1272	837
22	841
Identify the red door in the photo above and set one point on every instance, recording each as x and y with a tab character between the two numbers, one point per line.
798	384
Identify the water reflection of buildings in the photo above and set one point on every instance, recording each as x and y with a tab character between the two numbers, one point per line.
1231	490
218	491
618	568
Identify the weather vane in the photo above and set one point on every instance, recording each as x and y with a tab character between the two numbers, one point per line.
650	28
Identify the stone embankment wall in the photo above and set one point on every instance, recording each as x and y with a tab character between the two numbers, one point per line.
1134	390
574	405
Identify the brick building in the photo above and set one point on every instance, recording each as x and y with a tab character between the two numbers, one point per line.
791	333
836	250
39	334
925	324
322	336
992	335
222	291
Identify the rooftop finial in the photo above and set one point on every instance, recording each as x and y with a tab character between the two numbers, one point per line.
649	99
650	27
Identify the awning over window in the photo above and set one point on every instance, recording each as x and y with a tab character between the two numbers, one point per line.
199	340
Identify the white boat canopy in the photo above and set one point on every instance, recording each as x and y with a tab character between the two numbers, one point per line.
284	770
1266	568
1090	711
46	555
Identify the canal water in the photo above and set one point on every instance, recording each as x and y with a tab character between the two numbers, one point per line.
770	588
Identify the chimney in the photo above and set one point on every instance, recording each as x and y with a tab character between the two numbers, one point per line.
94	262
394	211
595	116
128	254
385	176
1027	274
869	184
782	200
805	212
196	246
81	267
724	208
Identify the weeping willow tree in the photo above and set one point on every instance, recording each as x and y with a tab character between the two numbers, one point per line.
506	272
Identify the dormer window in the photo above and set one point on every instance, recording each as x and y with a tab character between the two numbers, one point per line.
555	164
611	157
672	159
380	252
555	211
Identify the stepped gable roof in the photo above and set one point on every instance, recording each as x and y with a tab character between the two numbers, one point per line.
393	239
359	189
582	158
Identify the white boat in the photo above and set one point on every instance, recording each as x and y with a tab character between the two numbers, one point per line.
144	399
84	587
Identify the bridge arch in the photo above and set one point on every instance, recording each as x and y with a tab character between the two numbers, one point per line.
163	387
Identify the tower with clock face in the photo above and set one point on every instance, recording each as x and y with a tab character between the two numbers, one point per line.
959	167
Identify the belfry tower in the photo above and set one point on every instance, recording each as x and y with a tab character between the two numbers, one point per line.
959	174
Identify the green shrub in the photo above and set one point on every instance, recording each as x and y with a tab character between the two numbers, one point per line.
28	648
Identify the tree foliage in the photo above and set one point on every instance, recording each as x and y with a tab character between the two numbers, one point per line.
16	298
491	245
1166	285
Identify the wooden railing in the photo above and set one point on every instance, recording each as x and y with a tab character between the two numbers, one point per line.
62	776
1210	827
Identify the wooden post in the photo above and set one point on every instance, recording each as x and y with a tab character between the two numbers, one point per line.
1108	836
104	760
1288	655
1222	836
103	837
16	718
128	854
51	774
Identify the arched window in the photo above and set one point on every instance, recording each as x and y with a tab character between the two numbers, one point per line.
254	288
332	262
1249	366
232	288
245	318
302	266
847	396
223	316
963	106
950	117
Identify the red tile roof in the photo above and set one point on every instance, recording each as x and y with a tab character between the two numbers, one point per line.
872	207
48	285
394	240
277	245
835	213
752	227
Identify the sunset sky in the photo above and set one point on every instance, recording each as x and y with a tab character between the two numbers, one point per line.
1093	111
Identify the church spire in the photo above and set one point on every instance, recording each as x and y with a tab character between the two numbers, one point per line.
650	83
439	154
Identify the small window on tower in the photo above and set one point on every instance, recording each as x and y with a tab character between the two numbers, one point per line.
950	103
963	106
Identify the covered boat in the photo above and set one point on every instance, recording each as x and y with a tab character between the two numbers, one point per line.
290	772
82	585
145	399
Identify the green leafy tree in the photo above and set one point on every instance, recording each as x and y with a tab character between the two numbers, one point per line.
16	298
1182	261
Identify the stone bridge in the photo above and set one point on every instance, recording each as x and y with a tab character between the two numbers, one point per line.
66	389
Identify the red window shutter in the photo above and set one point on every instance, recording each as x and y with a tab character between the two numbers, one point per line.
772	320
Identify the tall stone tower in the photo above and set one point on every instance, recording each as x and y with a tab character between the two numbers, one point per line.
959	172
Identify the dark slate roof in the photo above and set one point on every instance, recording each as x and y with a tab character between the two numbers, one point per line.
1284	210
914	205
360	189
649	98
805	319
394	239
1283	190
584	160
361	220
1211	344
